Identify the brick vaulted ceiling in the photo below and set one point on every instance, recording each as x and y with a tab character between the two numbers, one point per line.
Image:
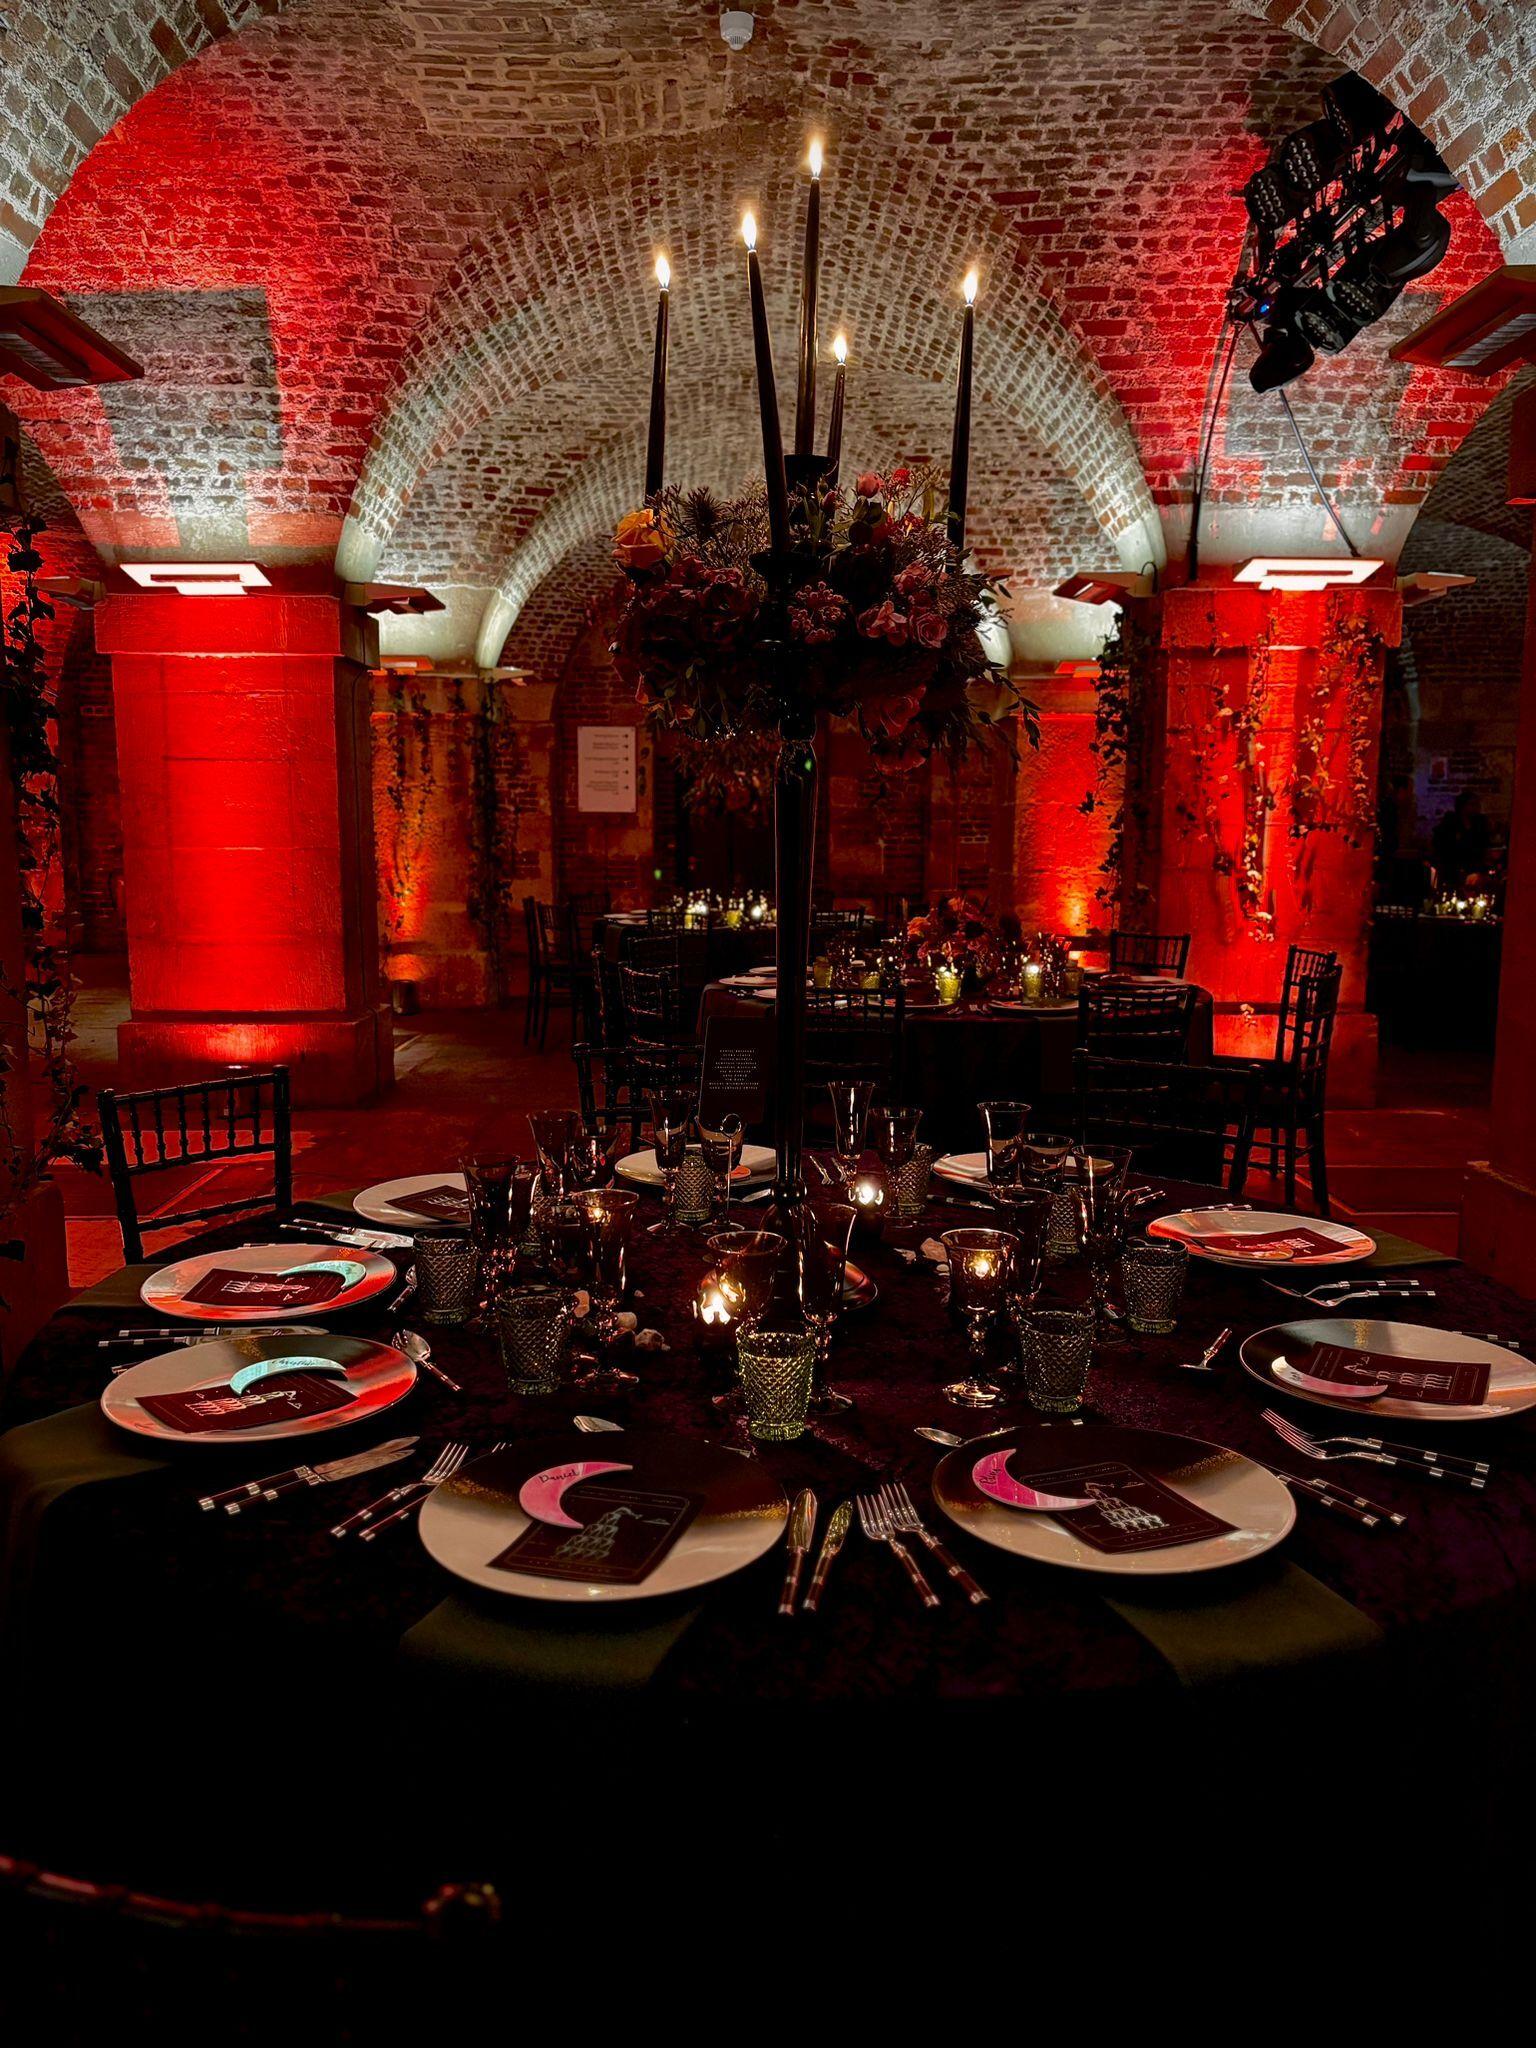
388	264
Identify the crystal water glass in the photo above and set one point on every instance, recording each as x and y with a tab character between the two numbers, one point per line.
908	1185
720	1147
447	1267
1056	1348
1026	1214
820	1273
532	1325
978	1287
1005	1124
775	1369
893	1133
488	1184
1152	1275
850	1117
671	1123
552	1132
693	1190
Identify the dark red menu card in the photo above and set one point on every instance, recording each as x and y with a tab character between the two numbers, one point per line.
626	1531
1301	1242
224	1287
1130	1512
1443	1382
275	1400
444	1204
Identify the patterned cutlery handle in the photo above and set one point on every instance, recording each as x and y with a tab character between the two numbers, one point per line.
1472	1468
914	1572
406	1508
1429	1468
296	1482
957	1571
1353	1505
249	1491
818	1580
375	1507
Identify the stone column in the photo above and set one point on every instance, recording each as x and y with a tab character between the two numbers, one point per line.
1498	1217
243	751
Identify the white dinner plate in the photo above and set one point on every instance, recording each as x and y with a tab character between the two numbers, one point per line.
741	1510
1186	1226
377	1204
641	1168
377	1375
1511	1380
966	1166
1223	1482
166	1289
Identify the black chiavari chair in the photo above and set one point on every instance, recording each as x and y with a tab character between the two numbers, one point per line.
192	1124
1193	1122
830	925
1293	1092
1148	952
854	1037
653	1003
1121	1022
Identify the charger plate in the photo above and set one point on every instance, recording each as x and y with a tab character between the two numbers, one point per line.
377	1376
1511	1381
1186	1226
641	1169
1223	1482
472	1517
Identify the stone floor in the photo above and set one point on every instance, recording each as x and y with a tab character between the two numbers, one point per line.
465	1078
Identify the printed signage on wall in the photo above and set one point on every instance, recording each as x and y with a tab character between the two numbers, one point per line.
605	768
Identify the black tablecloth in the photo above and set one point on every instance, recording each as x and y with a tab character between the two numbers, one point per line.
194	1645
954	1058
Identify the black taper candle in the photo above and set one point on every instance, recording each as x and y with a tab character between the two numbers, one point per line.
656	442
767	399
810	278
835	425
960	446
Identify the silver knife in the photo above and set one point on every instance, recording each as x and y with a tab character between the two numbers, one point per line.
240	1497
831	1544
802	1527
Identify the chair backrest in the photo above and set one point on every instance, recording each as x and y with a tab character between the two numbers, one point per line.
192	1124
652	1001
1302	963
1193	1122
655	951
651	1064
603	1087
1317	1005
853	1037
1148	952
666	920
836	924
1134	1023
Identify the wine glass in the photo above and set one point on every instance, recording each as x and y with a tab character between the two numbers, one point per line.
591	1149
553	1130
720	1144
671	1122
893	1131
1097	1178
1026	1214
821	1264
609	1217
979	1261
1005	1124
850	1116
488	1184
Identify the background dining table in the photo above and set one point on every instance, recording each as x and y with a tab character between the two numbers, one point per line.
215	1692
953	1058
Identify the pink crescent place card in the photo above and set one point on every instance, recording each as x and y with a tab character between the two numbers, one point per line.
1115	1508
1441	1382
617	1535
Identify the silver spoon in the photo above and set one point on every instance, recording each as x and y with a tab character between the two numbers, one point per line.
590	1425
1203	1362
416	1347
951	1442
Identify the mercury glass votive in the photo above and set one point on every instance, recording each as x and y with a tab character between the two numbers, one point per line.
447	1266
946	985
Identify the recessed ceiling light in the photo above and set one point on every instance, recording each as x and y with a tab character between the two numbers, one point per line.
198	579
1300	572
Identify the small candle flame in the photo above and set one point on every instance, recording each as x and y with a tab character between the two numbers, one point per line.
749	230
972	280
982	1265
815	156
840	349
663	273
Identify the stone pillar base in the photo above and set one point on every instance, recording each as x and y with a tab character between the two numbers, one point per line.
1498	1227
333	1061
33	1285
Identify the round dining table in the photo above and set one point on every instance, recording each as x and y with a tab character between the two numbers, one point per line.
281	1711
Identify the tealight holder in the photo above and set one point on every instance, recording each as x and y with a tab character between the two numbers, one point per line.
867	1197
979	1264
713	1313
693	1193
946	985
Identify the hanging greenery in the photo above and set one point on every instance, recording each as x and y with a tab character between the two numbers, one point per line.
45	993
1333	790
1121	736
409	787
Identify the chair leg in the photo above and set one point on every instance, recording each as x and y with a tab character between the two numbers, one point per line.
1317	1164
544	1017
1290	1167
529	1006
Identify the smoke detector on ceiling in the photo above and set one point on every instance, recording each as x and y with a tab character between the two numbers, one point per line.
736	26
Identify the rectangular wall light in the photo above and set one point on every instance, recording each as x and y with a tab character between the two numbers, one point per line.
197	579
1301	572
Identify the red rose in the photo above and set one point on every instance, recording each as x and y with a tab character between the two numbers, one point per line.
889	720
869	484
901	476
929	629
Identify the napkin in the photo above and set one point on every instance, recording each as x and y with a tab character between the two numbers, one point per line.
225	1287
220	1408
1442	1382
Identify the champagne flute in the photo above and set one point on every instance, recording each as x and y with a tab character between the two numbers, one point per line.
1005	1124
850	1116
720	1144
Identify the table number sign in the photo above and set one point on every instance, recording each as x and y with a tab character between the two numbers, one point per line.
605	768
738	1062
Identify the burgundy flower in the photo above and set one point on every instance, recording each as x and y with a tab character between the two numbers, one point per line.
869	484
884	622
929	629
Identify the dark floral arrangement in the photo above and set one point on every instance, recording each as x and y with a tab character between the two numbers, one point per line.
876	612
959	930
729	777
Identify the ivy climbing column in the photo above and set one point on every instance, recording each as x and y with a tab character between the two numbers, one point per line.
243	750
1262	805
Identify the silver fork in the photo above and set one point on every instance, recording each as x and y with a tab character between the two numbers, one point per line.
429	1486
875	1526
1328	1449
903	1516
447	1461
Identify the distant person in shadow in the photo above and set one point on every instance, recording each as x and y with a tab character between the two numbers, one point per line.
1459	845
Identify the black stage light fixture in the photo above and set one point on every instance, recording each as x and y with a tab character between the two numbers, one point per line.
1284	355
1313	156
1417	243
1356	109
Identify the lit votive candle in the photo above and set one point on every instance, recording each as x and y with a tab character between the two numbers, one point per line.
1032	981
712	1310
946	984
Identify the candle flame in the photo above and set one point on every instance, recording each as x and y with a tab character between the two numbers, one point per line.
749	230
663	272
982	1265
815	156
840	348
972	280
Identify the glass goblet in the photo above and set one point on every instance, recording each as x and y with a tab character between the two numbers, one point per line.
1005	1124
978	1281
671	1123
746	1261
552	1131
720	1144
820	1270
610	1220
1097	1180
850	1116
1026	1214
488	1184
893	1133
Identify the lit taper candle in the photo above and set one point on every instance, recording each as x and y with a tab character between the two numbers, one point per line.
810	277
656	443
767	398
835	427
960	446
